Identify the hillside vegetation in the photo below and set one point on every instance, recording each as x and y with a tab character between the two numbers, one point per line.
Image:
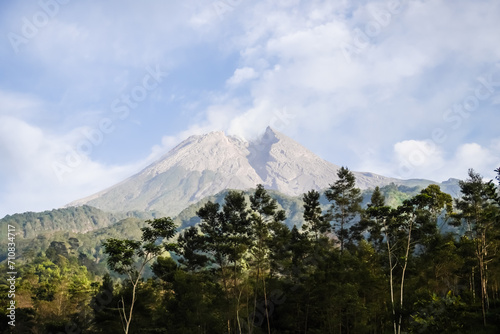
339	261
87	223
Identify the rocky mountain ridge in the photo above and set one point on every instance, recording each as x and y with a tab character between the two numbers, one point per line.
204	165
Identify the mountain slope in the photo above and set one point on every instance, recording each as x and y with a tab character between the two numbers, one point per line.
76	219
205	165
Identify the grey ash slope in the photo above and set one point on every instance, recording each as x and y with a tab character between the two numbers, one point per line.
205	165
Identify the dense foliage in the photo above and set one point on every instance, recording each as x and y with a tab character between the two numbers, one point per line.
355	263
82	219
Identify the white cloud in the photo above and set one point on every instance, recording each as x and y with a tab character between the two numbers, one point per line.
241	75
425	159
397	87
18	104
472	155
414	157
39	171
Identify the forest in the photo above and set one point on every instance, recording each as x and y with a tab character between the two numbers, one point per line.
427	265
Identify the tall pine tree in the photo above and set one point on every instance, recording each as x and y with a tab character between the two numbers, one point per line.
345	201
479	211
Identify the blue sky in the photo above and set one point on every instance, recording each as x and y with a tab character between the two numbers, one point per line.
91	92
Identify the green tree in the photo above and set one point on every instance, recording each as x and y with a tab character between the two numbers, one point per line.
266	220
52	293
439	315
401	229
379	221
194	304
104	320
130	258
478	209
191	245
315	223
225	240
417	220
434	200
346	203
164	268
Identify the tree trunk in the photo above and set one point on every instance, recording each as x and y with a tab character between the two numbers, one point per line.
480	250
235	282
255	296
391	268
485	264
224	282
265	303
473	282
403	276
342	228
128	319
131	307
307	313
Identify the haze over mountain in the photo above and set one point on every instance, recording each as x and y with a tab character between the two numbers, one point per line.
205	165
